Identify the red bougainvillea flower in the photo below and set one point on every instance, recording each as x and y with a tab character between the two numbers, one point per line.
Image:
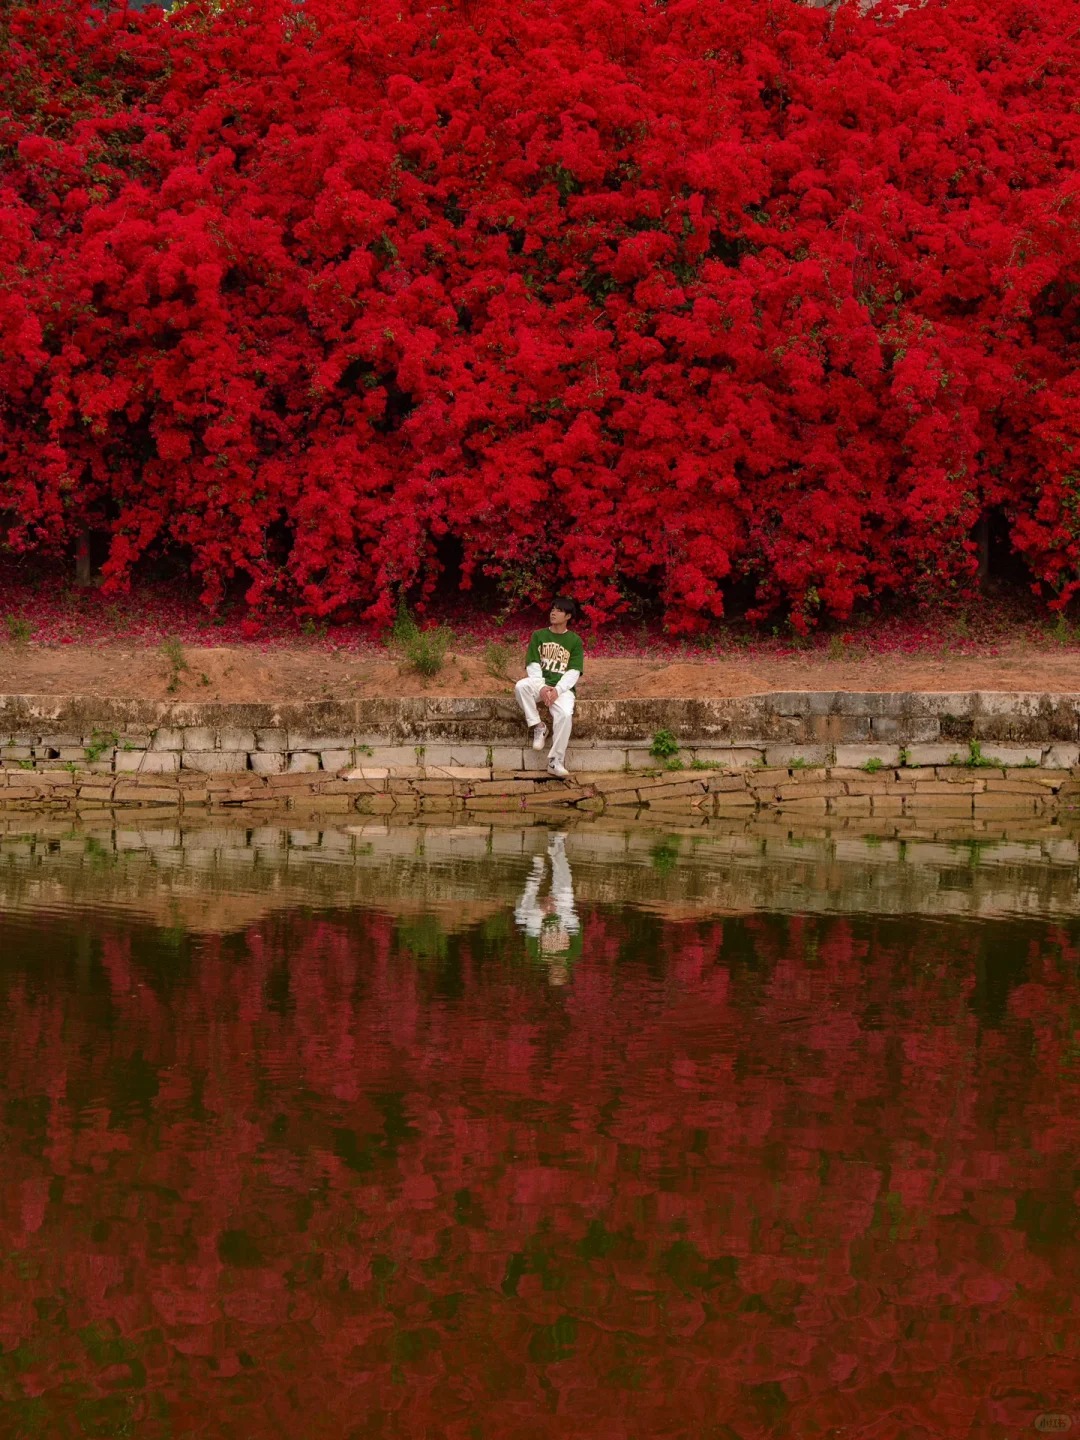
691	300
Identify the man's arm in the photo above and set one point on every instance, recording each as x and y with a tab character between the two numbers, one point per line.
532	659
577	665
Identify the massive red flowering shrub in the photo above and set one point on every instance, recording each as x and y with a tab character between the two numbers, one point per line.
687	299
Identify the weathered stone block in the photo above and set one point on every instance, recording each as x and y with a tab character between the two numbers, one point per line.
871	703
388	755
440	804
612	784
793	702
167	739
768	777
994	802
375	804
1046	779
398	787
857	756
1061	756
784	755
933	754
267	762
228	739
913	729
595	758
741	758
640	760
736	800
838	728
553	795
336	759
161	762
273	740
200	739
502	787
1012	754
507	757
302	763
442	754
214	762
997	785
317	743
125	794
806	789
492	802
658	790
95	792
957	703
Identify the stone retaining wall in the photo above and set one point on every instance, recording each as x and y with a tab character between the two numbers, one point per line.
885	792
821	719
817	753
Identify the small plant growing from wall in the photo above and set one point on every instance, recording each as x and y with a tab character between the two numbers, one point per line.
665	746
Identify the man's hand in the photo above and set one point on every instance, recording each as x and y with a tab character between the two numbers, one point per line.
548	695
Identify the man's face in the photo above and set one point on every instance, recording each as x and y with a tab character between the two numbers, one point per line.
558	617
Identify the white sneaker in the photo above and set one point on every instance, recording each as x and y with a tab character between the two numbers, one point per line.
557	768
539	735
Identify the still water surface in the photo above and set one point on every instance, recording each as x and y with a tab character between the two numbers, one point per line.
474	1133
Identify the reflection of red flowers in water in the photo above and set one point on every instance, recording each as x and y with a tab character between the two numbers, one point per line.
783	1176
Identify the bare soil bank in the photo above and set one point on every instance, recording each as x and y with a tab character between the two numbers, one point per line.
247	673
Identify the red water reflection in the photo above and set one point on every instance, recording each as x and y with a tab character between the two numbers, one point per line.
348	1177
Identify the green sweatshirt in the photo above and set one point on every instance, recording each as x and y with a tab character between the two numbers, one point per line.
555	654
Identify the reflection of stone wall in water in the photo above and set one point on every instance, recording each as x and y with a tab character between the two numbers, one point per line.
222	878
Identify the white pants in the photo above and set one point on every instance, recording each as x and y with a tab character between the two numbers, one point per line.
562	714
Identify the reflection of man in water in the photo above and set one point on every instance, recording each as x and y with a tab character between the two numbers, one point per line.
551	925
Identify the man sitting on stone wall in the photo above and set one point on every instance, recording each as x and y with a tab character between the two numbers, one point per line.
554	662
